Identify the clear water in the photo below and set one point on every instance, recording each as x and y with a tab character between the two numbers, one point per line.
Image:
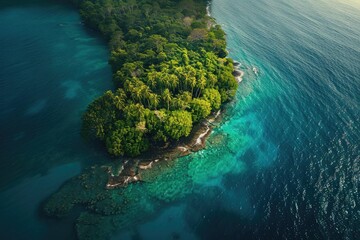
51	68
285	164
290	166
302	115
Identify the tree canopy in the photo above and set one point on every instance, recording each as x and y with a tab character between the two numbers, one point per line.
170	71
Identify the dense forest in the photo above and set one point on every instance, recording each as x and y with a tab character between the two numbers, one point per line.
169	69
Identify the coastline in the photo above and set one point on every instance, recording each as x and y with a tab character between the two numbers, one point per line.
131	170
237	73
255	170
116	192
113	191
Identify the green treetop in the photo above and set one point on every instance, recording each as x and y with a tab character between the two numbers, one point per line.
170	71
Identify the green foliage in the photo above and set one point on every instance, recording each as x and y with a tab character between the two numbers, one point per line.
212	96
126	140
178	124
99	116
155	127
200	109
170	70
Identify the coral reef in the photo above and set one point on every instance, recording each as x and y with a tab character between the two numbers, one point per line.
110	203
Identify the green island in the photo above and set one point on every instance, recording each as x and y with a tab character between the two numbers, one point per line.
172	77
169	69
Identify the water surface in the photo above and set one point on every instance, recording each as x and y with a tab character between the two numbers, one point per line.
290	166
51	68
284	165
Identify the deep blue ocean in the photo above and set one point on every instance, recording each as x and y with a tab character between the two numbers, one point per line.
290	168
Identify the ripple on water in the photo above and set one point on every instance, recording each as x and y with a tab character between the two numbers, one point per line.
36	107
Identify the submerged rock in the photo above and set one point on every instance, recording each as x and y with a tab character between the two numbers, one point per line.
133	170
120	195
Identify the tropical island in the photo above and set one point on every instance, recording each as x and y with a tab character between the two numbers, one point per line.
171	76
169	69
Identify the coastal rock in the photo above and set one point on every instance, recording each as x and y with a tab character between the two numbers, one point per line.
145	165
133	170
238	74
142	182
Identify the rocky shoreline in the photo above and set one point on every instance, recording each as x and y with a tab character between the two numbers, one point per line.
131	170
123	193
237	73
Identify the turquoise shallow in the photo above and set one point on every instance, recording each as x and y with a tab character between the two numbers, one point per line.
290	165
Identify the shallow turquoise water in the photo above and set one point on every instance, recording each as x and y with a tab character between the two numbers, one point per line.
290	168
302	115
51	68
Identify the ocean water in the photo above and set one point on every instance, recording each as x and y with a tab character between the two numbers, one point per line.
51	68
302	115
285	164
288	162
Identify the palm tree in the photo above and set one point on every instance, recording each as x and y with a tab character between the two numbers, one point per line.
167	97
136	90
173	81
145	93
180	73
192	81
165	80
190	78
201	83
152	79
119	99
154	100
